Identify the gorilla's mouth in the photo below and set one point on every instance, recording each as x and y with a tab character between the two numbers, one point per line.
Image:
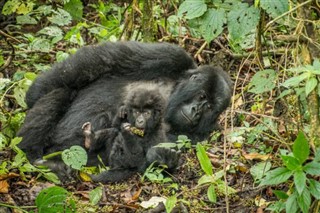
186	117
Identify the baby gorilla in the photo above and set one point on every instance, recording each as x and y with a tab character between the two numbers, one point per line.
137	128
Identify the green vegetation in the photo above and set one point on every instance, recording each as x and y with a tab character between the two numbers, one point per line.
270	48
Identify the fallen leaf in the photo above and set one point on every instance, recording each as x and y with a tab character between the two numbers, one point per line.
4	186
256	156
153	202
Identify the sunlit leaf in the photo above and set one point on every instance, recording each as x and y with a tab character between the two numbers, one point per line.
212	23
300	181
170	203
204	160
291	204
75	157
95	195
192	8
211	193
311	85
314	188
304	201
301	148
312	168
276	176
263	81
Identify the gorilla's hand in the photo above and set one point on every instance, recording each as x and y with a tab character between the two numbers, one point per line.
163	156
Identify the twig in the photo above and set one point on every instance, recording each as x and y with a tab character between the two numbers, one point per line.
225	166
9	36
200	50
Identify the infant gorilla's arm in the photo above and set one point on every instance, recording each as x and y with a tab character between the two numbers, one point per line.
131	152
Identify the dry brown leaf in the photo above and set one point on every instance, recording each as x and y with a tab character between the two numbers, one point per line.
256	156
4	186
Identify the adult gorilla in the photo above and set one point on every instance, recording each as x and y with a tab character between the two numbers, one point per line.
88	87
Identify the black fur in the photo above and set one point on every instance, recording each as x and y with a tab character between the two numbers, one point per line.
88	87
143	108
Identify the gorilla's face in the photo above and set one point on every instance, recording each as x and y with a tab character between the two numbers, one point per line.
190	104
197	101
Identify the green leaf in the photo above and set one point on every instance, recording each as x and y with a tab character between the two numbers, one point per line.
311	85
26	19
258	170
52	200
75	9
314	188
263	81
60	17
275	8
291	204
301	148
304	201
51	31
296	80
75	157
291	162
241	20
204	160
300	181
41	44
312	168
206	179
19	92
95	195
280	194
212	24
212	196
50	176
192	9
276	176
316	64
10	7
170	203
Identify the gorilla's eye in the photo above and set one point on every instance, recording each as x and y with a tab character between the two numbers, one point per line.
209	106
203	96
193	77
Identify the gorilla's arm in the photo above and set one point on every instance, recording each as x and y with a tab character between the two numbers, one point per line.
42	118
131	60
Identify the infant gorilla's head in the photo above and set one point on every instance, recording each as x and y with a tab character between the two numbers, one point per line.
145	107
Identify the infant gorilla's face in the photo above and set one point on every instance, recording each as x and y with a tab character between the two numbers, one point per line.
141	117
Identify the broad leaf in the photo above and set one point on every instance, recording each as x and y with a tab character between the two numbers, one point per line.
204	160
211	193
206	179
312	168
95	195
60	17
275	8
314	188
291	204
263	81
301	148
212	24
296	80
280	194
170	203
304	201
75	9
300	181
192	8
52	200
311	85
259	170
291	162
276	176
241	20
51	31
75	157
